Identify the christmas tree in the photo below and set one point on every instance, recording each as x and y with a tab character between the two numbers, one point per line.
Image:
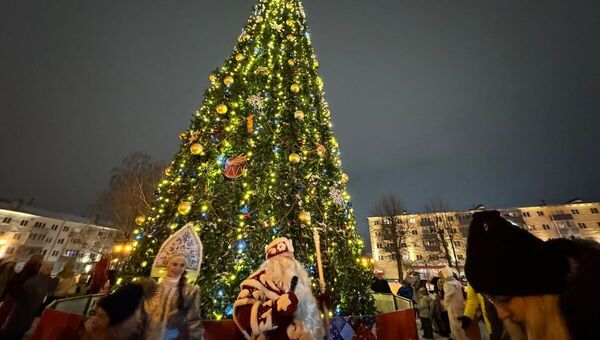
260	161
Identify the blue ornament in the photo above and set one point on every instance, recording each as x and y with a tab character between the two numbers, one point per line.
222	160
242	245
245	210
299	187
220	293
276	149
229	310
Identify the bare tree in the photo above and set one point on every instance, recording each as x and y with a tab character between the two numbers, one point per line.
394	229
130	190
441	223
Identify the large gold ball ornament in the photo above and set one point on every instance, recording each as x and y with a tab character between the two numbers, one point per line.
212	78
321	149
294	158
246	37
289	5
295	88
197	149
289	22
239	57
290	37
139	220
291	62
299	115
167	170
345	178
228	80
184	208
222	109
304	217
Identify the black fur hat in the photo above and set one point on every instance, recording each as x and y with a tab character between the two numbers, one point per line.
121	304
505	260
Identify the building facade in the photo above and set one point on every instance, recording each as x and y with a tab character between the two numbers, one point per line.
426	252
26	231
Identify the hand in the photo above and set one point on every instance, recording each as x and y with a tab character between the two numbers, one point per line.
465	321
287	303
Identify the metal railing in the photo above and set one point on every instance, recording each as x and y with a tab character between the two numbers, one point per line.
81	305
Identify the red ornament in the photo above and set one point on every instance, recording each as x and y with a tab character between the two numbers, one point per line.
234	167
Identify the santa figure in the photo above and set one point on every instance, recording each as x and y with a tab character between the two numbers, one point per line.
276	302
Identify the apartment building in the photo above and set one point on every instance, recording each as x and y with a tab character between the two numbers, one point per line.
424	252
27	231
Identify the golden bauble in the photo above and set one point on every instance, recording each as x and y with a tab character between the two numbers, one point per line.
289	5
316	63
295	88
321	149
184	208
167	170
345	178
291	37
222	109
304	217
212	78
289	22
299	115
294	158
291	62
197	149
259	19
139	220
228	80
239	57
246	37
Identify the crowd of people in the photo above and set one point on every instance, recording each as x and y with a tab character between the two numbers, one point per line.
515	287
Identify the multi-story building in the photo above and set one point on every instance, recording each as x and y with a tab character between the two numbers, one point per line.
27	231
426	252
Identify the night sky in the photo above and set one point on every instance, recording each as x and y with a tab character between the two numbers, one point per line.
468	101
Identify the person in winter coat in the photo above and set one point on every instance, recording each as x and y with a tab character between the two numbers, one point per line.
7	271
425	307
441	324
454	303
27	305
379	285
99	276
406	290
474	306
14	287
561	307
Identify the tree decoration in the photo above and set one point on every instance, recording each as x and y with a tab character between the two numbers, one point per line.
222	109
262	70
291	62
337	196
184	208
345	178
228	80
321	149
239	57
291	37
295	88
299	115
256	101
212	78
250	123
197	149
304	217
234	167
167	170
140	219
294	158
277	26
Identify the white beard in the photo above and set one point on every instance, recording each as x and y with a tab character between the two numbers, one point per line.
281	270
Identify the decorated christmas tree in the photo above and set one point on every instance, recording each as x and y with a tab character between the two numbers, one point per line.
260	161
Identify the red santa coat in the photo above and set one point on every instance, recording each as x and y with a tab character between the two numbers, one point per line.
263	310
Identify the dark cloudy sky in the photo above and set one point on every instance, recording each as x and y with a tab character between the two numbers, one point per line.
470	101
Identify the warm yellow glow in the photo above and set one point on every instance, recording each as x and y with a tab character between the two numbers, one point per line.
221	108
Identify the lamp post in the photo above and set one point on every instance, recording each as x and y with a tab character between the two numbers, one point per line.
121	250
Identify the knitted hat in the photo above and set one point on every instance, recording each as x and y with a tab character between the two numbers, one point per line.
505	260
279	246
121	304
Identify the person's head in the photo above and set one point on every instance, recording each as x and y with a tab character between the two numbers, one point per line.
417	276
446	273
423	291
45	268
118	306
176	266
498	251
379	275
